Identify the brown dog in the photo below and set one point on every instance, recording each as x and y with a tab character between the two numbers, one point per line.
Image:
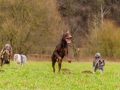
61	50
5	54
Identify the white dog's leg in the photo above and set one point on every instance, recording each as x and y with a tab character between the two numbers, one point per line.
21	63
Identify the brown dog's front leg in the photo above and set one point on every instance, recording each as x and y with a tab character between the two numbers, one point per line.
9	59
59	64
3	62
68	59
66	54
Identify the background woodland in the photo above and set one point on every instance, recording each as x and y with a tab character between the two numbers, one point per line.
33	27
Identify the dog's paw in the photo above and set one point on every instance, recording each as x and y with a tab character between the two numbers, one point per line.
69	61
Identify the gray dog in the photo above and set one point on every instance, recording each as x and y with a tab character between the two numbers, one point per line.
98	63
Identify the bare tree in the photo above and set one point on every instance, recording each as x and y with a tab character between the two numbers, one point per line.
104	11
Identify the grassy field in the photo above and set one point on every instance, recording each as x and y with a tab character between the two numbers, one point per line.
39	76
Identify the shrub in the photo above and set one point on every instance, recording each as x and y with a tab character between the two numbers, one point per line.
106	40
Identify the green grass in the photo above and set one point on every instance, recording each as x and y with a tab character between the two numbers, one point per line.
39	76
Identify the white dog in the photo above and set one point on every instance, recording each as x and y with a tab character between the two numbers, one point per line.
20	59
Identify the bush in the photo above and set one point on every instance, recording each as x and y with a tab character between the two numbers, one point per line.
106	40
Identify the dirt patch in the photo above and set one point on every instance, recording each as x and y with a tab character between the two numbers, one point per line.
87	71
66	71
2	71
35	69
6	83
14	68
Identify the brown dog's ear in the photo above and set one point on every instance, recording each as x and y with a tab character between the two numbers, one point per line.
68	31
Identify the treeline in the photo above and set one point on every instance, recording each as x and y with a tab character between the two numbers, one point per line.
35	26
30	26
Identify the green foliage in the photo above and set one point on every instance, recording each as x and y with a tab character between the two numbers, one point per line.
106	40
39	76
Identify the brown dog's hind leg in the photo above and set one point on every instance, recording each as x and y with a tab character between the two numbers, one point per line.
2	62
53	64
